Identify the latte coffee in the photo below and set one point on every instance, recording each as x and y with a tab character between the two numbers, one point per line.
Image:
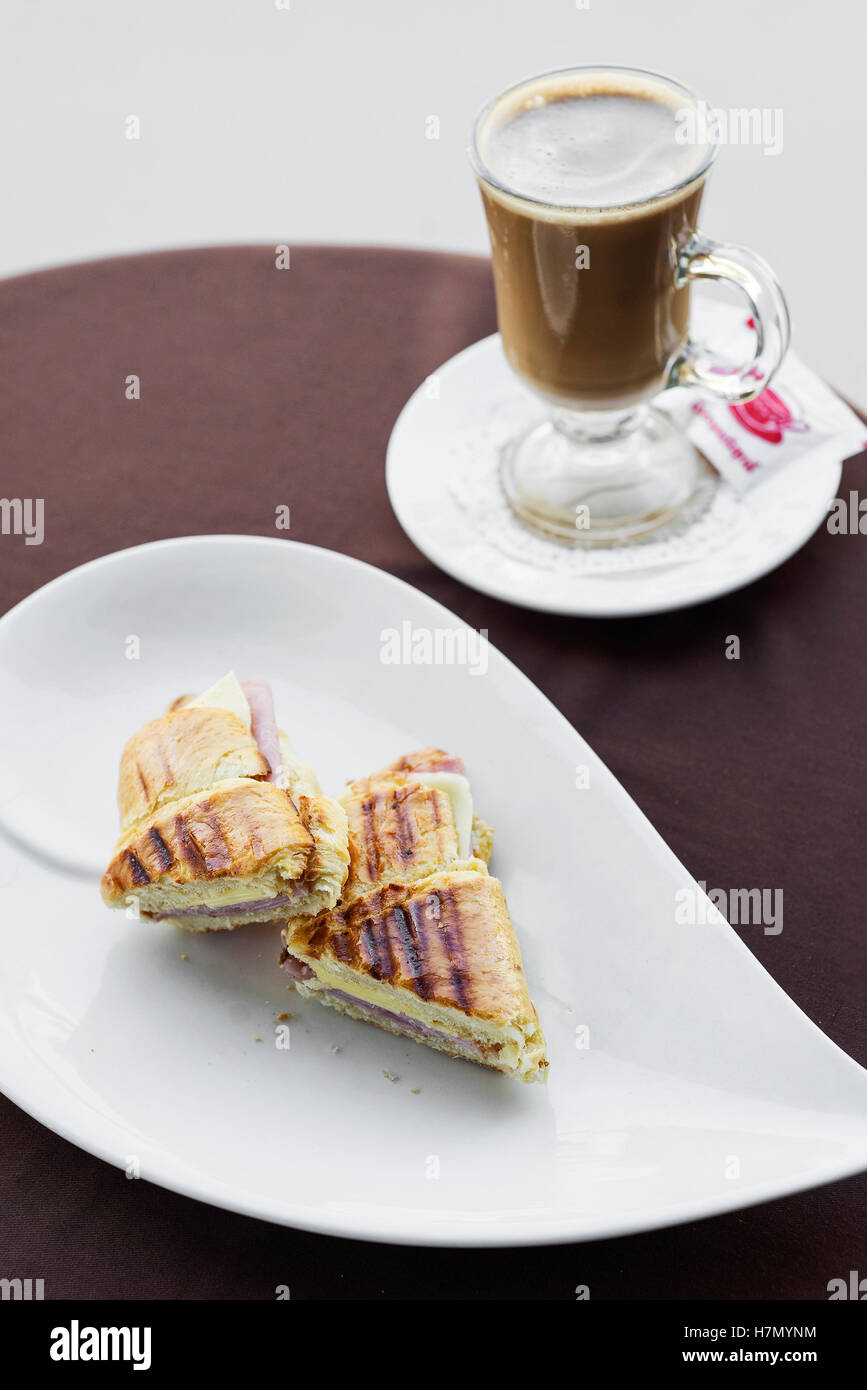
590	197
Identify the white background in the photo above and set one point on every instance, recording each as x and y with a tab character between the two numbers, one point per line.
308	124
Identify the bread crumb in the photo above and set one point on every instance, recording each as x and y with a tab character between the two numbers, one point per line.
390	1076
414	1091
184	957
282	1017
257	1040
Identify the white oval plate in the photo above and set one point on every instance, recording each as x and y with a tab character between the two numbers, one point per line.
451	431
703	1087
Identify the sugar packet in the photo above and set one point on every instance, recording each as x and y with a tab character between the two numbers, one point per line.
799	414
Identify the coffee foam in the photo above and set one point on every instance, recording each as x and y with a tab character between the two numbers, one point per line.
599	144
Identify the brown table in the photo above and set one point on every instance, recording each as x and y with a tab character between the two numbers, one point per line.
262	386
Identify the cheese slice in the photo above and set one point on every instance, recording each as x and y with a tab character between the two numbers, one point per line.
225	694
457	789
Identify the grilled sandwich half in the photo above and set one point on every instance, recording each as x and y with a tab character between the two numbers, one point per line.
222	824
421	942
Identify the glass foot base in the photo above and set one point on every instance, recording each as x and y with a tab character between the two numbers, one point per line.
604	481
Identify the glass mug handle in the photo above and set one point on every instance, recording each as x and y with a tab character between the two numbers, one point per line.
703	259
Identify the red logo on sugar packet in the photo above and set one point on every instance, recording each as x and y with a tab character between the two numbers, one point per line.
768	416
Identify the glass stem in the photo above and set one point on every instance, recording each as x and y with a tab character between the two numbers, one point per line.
597	427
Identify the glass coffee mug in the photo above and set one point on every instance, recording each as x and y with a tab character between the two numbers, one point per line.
592	180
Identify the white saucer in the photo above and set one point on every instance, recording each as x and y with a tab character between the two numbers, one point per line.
442	472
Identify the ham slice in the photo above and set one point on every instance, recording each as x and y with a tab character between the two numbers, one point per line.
264	727
297	969
430	760
376	1014
226	909
444	765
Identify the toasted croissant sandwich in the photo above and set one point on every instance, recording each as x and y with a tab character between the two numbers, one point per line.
421	942
221	823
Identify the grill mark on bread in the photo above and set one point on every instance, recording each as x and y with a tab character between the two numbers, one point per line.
219	855
441	827
370	844
369	947
404	823
448	914
190	850
387	933
142	781
413	951
138	872
377	948
375	820
384	947
164	856
344	947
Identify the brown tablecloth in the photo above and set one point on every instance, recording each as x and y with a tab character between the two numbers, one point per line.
262	386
